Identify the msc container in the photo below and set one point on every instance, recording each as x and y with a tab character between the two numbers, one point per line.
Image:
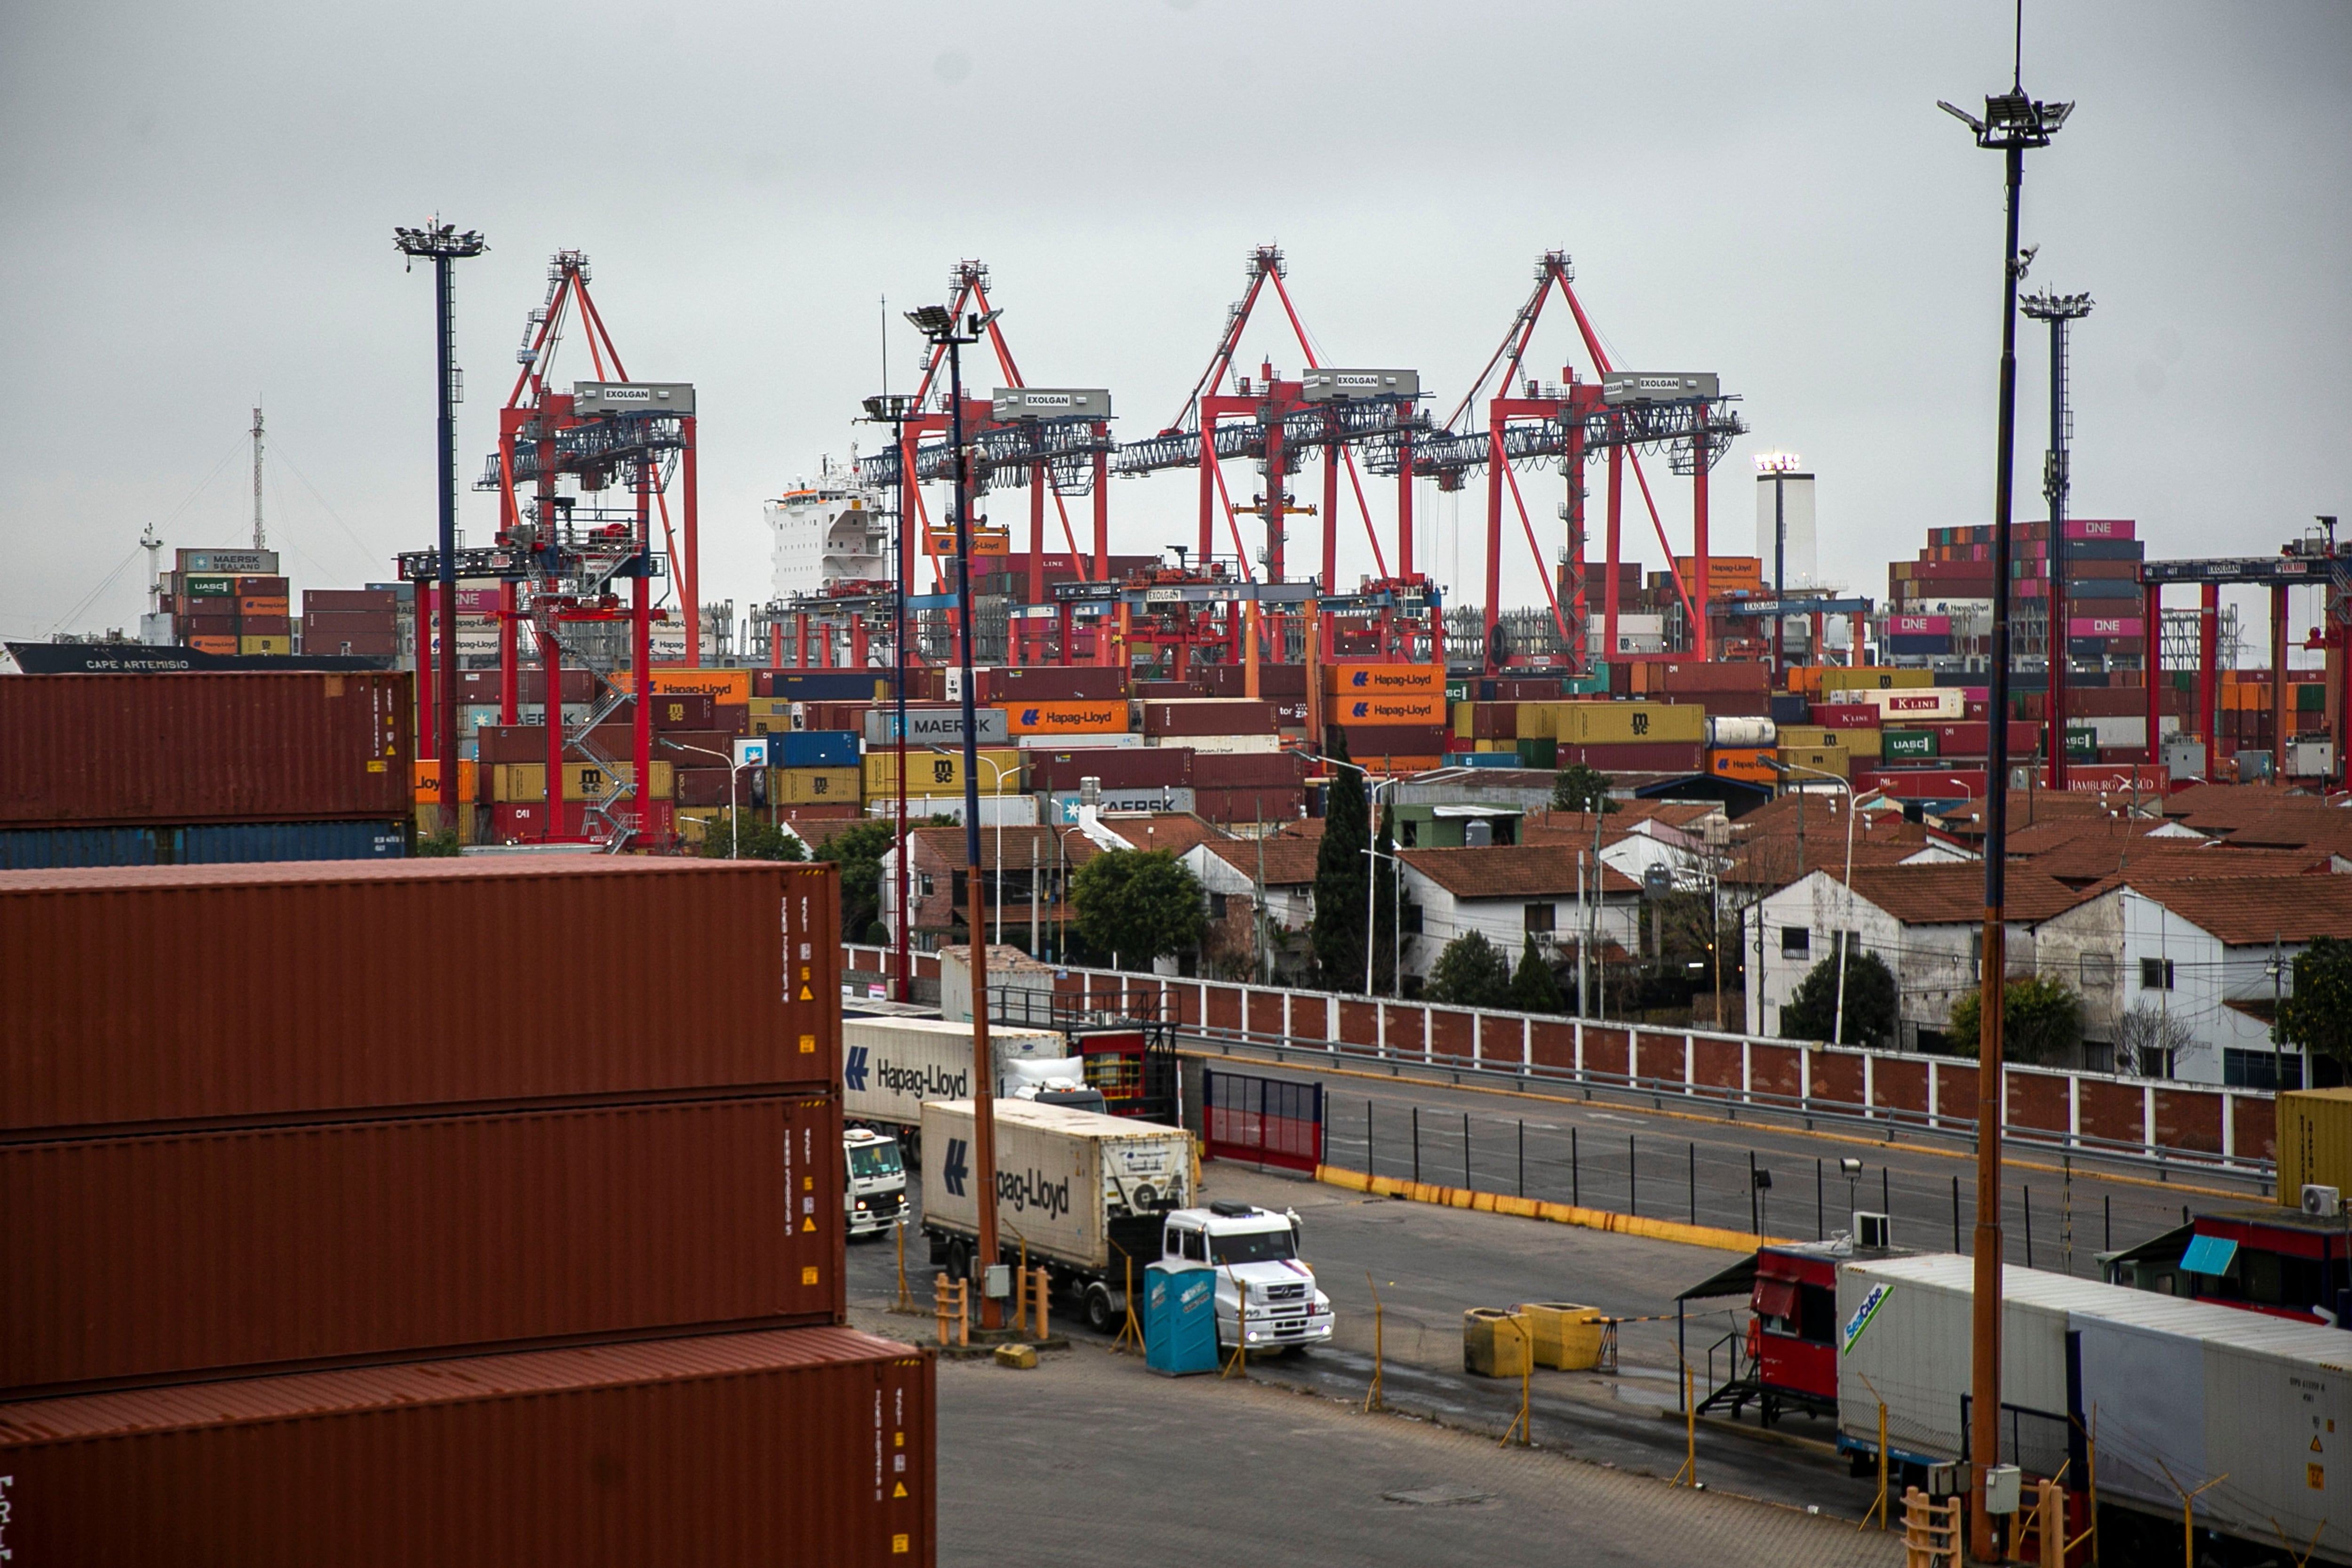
817	786
167	1256
719	1449
187	747
890	1066
1083	1190
186	994
2315	1141
931	772
1870	678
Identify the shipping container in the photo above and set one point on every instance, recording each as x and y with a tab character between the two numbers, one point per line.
1229	745
890	1066
165	1257
1355	680
933	772
1186	717
1245	770
187	747
1259	803
1140	768
1055	683
1074	1185
1376	712
933	724
360	601
735	985
1910	704
1814	760
1046	718
2314	1143
816	748
724	1450
817	786
1752	764
729	687
1907	746
1630	723
1278	681
1873	678
1392	741
1639	757
202	844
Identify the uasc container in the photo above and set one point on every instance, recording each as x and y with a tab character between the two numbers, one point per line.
733	1451
164	994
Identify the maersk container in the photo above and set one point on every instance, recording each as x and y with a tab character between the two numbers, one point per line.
147	1258
890	1066
728	1450
187	747
194	994
1084	1191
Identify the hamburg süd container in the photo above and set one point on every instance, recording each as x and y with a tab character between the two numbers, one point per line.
231	994
733	1451
180	1255
189	747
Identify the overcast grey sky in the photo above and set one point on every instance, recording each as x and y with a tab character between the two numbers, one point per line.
201	201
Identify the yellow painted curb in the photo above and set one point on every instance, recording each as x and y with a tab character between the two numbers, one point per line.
1535	1208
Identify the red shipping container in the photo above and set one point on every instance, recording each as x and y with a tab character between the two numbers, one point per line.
1248	770
709	787
353	645
1694	677
369	601
1846	715
1208	716
193	623
1269	804
273	587
1733	704
165	1257
1274	681
346	624
265	625
297	987
1396	741
1639	757
1178	690
731	1450
1508	692
1119	767
1052	683
191	747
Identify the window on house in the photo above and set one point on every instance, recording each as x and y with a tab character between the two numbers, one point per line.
1217	906
2156	975
1540	917
1410	830
1796	942
925	882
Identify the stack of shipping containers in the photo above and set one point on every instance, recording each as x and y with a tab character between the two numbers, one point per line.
358	1253
197	768
361	623
229	602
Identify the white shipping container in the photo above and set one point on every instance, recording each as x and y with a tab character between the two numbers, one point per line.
1126	739
2116	730
1069	1182
1223	743
890	1066
1901	705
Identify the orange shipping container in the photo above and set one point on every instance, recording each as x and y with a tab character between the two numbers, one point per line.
729	687
1384	680
1351	711
1067	718
427	773
1750	763
209	644
261	605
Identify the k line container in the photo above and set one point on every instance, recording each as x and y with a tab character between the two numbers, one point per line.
1079	1186
187	747
147	1258
165	995
732	1450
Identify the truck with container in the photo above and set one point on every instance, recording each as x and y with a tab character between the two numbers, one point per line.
1094	1200
873	1193
890	1066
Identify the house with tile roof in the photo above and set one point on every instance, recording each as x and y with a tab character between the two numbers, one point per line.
1925	923
1261	895
2187	961
1509	894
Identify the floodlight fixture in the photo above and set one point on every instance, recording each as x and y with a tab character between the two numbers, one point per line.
890	407
2051	306
933	322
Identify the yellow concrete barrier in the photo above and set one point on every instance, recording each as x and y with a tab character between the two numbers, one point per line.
1495	1343
1558	1213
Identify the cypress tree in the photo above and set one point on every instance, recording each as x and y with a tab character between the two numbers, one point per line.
1339	933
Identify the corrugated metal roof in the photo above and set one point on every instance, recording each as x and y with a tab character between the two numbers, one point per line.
300	1394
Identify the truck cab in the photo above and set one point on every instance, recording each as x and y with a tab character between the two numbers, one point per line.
1253	1250
874	1197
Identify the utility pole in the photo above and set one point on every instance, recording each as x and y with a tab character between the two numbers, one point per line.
2278	1062
2056	485
259	543
2012	122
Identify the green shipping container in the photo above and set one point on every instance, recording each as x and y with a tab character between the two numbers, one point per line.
1457	692
208	585
2082	745
1594	683
1907	744
1538	752
2310	697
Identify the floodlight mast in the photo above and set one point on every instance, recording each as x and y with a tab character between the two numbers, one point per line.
895	409
936	323
2013	122
442	243
2056	486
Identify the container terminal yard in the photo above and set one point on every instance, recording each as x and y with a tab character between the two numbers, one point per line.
1598	1032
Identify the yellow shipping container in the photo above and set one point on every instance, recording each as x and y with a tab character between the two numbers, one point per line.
1539	720
593	781
941	773
695	822
1863	741
276	646
770	723
771	707
1464	717
1820	759
1630	723
2315	1141
519	782
815	787
1871	676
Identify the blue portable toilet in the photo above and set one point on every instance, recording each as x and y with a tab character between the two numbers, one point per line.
1180	1317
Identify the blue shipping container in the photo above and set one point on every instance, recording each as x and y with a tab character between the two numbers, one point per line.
1483	760
815	749
1180	1317
52	848
210	844
1919	645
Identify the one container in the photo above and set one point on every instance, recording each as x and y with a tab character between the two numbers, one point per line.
1205	716
1385	681
890	1066
1180	1317
817	749
163	1257
817	786
1495	1343
190	747
2315	1141
931	772
1630	723
1908	745
729	687
709	1449
1052	718
1081	1188
1566	1337
1741	732
735	985
1355	710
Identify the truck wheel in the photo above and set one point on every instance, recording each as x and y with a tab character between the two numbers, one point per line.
959	1260
1099	1316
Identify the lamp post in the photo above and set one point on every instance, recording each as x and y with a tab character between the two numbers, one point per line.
2012	123
750	753
894	409
936	323
1845	932
2058	309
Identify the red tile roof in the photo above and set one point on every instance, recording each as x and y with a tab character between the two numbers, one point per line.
1510	871
2245	912
1289	861
1953	894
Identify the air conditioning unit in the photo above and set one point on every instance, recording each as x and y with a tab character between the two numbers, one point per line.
1872	1230
2325	1203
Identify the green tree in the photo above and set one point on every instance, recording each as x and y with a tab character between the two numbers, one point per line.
1471	972
1580	788
1871	1002
2041	1022
858	852
1137	905
1384	906
1338	932
438	843
751	837
1533	989
2318	1017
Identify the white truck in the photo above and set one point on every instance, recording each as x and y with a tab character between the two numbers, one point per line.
874	1197
890	1066
1092	1194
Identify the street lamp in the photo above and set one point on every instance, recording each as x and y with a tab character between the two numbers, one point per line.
2012	123
2049	305
748	754
936	323
1845	932
895	409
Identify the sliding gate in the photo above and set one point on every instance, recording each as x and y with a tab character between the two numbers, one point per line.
1263	1120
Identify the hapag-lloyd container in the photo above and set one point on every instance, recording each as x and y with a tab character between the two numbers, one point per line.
733	1451
190	747
890	1066
192	994
1069	1182
140	1259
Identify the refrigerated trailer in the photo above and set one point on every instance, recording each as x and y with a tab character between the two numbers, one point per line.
890	1066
